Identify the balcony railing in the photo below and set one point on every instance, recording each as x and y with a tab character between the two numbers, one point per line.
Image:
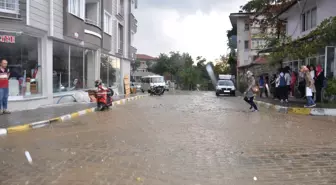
121	48
134	23
132	52
121	11
93	22
10	6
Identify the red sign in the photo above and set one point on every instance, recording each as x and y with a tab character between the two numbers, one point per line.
7	38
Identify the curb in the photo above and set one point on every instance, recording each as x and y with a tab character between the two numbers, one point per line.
40	124
298	110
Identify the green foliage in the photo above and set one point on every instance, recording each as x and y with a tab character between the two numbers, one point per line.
183	70
331	88
134	65
222	67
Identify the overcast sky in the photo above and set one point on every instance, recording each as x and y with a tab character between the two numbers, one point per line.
194	26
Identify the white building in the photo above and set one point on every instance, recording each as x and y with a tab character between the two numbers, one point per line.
302	17
249	40
63	46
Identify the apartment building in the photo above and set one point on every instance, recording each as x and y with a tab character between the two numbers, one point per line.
249	38
57	47
302	17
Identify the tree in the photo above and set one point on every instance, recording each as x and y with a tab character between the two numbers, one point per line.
135	65
265	12
222	67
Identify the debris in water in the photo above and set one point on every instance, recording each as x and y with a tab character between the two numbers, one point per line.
138	179
30	160
255	178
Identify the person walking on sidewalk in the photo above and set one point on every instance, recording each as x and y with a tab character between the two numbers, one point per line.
249	94
310	87
4	75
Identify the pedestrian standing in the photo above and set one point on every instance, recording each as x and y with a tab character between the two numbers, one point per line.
267	89
4	76
249	93
310	87
261	86
282	87
288	81
312	74
292	83
319	82
273	86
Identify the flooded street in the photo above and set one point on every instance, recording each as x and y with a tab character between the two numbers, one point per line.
178	139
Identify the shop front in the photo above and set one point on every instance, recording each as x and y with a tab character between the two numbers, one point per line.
110	72
23	53
74	68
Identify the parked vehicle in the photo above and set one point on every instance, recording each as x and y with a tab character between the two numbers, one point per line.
147	82
104	96
225	87
156	90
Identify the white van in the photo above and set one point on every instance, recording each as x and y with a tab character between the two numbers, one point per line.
152	80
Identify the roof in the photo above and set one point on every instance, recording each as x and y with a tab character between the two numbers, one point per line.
234	16
288	7
145	57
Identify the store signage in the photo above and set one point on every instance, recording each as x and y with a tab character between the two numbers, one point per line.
7	39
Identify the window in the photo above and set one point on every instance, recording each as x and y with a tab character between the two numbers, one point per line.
77	7
246	44
110	70
22	54
9	6
107	23
247	27
313	17
73	67
308	19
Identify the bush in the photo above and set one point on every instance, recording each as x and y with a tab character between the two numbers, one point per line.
330	90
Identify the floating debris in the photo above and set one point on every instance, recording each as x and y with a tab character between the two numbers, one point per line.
255	178
30	160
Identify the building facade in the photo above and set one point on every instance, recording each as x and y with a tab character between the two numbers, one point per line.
57	47
302	17
249	39
146	62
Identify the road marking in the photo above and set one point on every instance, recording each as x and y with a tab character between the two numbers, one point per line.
18	128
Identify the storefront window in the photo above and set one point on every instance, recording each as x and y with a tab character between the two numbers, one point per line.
73	67
110	70
77	68
89	69
60	66
22	53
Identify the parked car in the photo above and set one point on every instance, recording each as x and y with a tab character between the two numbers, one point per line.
225	87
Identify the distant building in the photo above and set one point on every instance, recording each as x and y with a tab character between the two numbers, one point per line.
142	70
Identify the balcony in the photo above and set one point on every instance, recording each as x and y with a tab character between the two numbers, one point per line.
10	8
92	13
132	53
134	23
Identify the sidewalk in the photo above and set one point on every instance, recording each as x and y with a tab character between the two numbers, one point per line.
45	113
294	102
296	106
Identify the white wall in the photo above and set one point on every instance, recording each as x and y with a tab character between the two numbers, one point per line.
325	9
242	35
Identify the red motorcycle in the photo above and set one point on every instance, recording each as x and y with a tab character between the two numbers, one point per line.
104	96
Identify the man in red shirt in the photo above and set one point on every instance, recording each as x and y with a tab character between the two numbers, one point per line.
4	75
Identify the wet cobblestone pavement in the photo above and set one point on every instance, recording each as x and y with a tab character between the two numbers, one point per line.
187	138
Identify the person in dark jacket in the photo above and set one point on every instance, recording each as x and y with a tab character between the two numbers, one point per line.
319	82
